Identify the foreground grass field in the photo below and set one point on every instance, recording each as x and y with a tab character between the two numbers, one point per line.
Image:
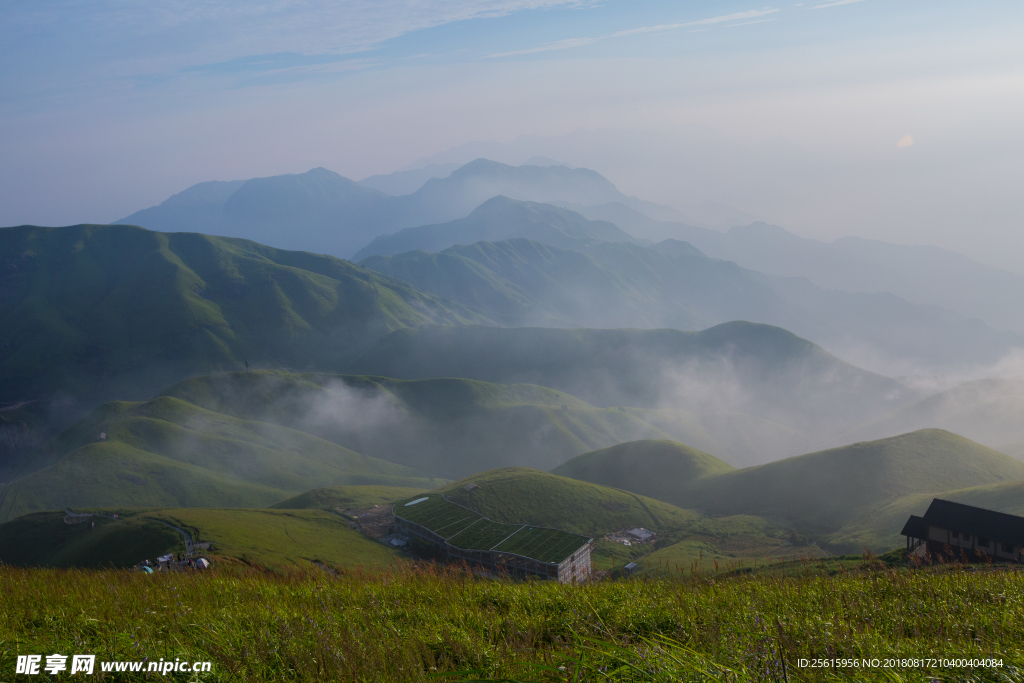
415	623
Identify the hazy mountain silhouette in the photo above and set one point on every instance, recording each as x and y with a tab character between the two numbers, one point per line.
501	218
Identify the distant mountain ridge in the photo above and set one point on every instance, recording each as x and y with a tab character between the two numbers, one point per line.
612	284
500	218
920	274
323	212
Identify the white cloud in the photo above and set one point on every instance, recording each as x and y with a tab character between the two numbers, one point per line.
835	3
578	42
905	141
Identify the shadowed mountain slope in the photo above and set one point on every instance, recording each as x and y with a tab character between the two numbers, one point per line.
170	453
521	282
113	311
447	427
735	367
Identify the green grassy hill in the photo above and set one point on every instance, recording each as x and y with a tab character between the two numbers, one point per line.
102	312
845	497
824	491
657	469
271	539
519	495
170	453
346	497
524	496
281	539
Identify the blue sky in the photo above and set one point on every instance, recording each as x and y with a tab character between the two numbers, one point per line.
110	106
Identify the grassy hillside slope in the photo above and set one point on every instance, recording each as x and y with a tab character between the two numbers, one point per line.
846	497
271	539
43	539
518	495
823	491
346	497
170	453
657	469
100	312
281	539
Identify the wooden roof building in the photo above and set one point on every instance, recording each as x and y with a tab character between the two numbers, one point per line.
959	530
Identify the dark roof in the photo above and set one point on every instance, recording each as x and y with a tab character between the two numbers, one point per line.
915	527
997	526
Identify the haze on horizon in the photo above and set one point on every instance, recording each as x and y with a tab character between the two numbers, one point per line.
895	121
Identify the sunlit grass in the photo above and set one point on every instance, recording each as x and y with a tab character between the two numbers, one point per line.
417	622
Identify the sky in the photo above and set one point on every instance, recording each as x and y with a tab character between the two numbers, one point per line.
898	120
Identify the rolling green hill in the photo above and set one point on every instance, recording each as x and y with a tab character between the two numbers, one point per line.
524	496
517	495
170	453
657	469
101	312
839	496
736	367
346	497
270	539
823	491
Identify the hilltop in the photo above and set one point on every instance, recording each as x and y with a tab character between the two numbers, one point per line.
658	469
